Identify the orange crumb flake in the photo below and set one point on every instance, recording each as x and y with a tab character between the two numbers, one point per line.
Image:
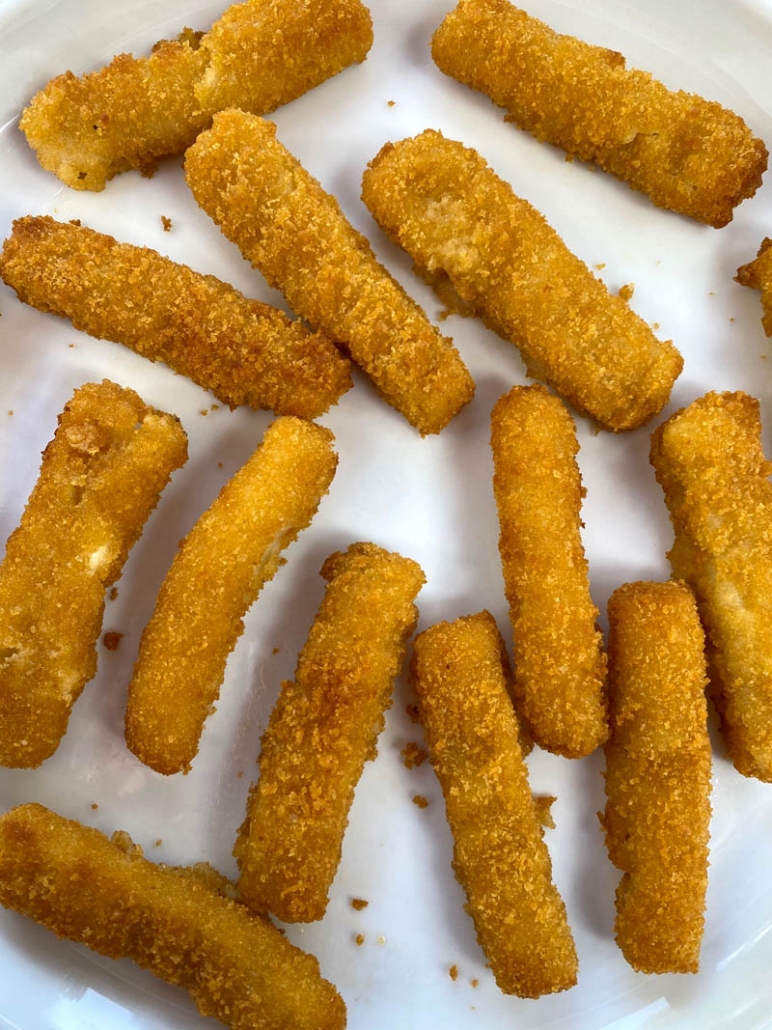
275	650
412	755
359	904
474	982
412	711
94	805
626	291
391	103
203	411
10	411
544	803
601	266
360	939
453	973
239	774
158	843
112	640
113	595
167	223
420	801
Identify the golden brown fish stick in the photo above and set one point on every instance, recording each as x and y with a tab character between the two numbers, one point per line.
709	462
560	667
100	479
297	236
86	888
499	855
658	775
243	351
758	275
323	729
457	219
689	155
234	548
134	111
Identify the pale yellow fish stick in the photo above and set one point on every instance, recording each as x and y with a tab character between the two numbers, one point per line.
86	888
689	155
658	760
234	548
499	855
101	477
243	351
460	222
134	111
709	462
758	275
560	667
323	729
295	233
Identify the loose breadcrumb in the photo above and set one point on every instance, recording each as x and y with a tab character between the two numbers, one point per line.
359	939
453	973
626	292
359	904
413	755
113	595
420	801
412	711
167	223
112	640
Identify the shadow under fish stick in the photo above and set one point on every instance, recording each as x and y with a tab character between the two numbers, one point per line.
690	155
456	218
101	477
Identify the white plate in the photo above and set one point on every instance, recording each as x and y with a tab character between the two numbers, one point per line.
430	499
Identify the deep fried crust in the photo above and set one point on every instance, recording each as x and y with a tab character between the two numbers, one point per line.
456	218
243	351
688	154
560	667
295	233
134	111
223	563
709	462
101	477
86	888
322	730
658	775
499	854
758	275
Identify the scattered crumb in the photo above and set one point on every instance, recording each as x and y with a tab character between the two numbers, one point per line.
122	840
453	973
75	221
412	711
239	774
113	593
219	464
10	411
474	982
420	801
360	939
214	407
626	291
203	411
380	940
601	266
763	357
731	320
412	755
712	293
94	805
359	904
71	346
390	103
167	223
275	650
112	639
158	843
543	804
655	325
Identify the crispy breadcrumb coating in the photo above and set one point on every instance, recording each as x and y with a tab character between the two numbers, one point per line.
709	462
658	762
689	155
243	351
758	275
457	219
134	111
560	667
323	729
234	548
174	922
499	854
295	233
101	477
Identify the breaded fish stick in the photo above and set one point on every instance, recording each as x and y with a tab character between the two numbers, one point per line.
560	667
456	218
658	775
101	477
134	111
499	854
323	729
758	275
709	462
234	548
86	888
688	154
297	236
243	351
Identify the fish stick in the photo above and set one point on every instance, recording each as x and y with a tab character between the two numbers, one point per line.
499	855
243	351
560	667
709	461
295	233
758	275
323	729
689	155
135	111
458	220
101	477
87	888
658	761
222	565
